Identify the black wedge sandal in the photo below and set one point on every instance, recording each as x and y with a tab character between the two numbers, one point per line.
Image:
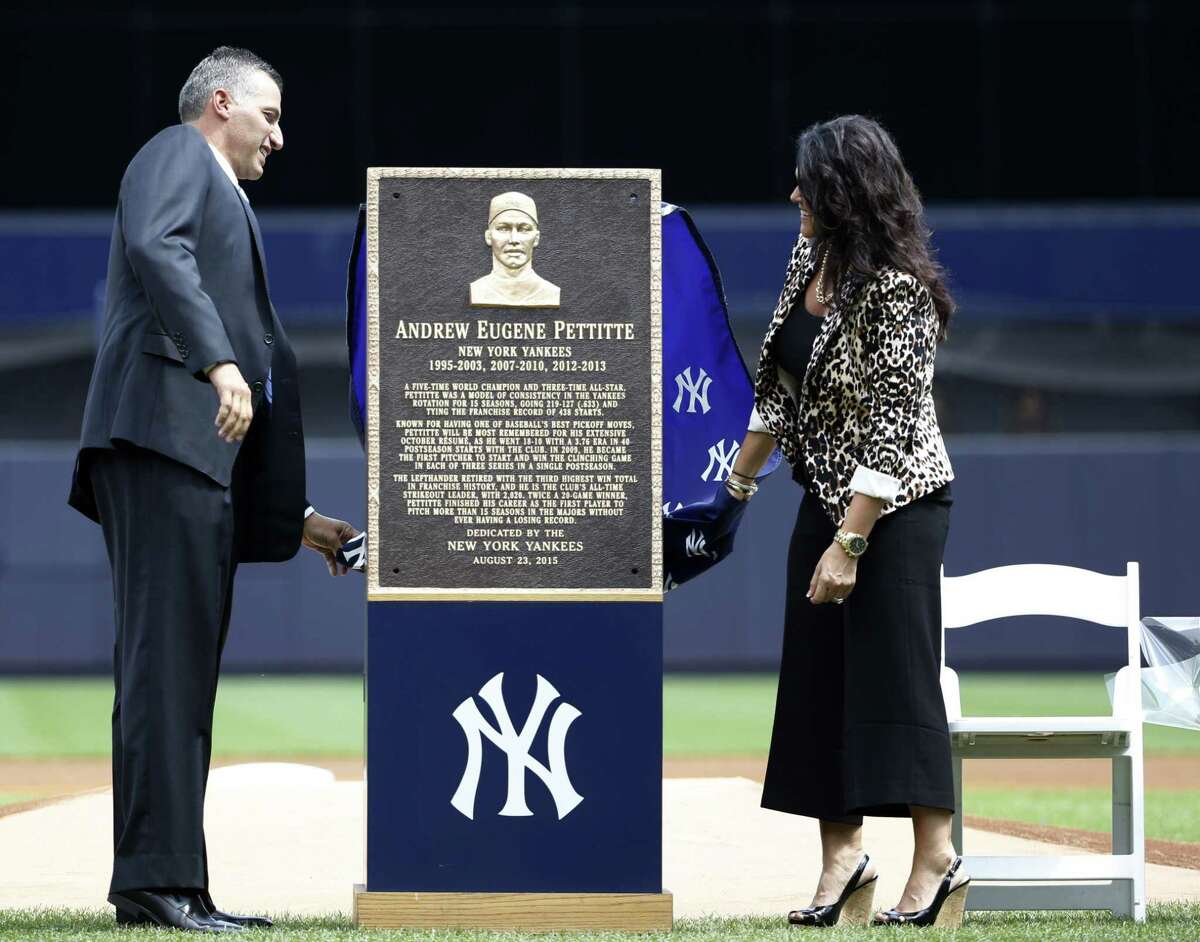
946	910
853	907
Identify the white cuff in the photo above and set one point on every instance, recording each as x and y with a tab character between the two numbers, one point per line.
756	422
309	511
875	484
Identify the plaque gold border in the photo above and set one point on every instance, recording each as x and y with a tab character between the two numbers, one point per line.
377	593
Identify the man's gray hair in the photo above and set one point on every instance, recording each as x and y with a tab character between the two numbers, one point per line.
226	67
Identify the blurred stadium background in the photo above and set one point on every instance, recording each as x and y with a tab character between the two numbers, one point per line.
1054	142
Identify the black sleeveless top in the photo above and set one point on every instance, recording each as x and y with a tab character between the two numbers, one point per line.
793	343
793	347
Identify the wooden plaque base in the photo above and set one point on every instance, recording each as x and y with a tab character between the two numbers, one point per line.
536	912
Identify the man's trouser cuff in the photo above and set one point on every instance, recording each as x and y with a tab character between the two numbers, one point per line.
158	871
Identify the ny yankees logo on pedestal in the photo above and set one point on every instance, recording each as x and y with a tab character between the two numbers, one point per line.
516	747
697	390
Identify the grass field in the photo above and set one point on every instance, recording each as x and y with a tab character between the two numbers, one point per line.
322	716
713	715
1171	815
704	715
1166	923
256	716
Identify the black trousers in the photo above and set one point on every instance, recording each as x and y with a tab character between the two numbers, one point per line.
860	724
169	531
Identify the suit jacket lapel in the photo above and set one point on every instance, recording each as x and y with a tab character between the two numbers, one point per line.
259	253
829	327
250	217
258	241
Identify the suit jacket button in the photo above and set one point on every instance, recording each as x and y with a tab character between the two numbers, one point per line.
269	339
257	387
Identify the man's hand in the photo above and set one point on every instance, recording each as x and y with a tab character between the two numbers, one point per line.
326	535
834	577
235	412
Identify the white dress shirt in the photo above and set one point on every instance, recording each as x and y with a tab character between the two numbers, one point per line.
227	169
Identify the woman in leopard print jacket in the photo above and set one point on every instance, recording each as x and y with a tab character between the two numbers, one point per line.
860	725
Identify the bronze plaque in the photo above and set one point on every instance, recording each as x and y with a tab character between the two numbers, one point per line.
514	389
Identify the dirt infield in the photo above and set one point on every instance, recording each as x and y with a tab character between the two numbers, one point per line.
49	780
1167	853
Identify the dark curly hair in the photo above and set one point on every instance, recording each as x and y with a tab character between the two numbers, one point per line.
866	210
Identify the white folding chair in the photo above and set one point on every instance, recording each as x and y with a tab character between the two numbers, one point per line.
1115	881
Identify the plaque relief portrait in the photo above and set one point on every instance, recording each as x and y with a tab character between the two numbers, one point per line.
512	234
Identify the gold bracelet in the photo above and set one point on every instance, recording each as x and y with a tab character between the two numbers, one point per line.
736	494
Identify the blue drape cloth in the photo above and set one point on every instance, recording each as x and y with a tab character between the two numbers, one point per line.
707	395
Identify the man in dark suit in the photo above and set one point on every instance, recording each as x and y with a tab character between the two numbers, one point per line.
192	461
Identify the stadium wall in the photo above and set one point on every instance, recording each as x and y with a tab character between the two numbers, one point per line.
1094	502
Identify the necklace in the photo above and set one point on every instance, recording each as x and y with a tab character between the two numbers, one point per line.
822	298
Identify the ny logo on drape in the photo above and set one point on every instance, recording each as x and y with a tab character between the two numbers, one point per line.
696	389
515	745
722	459
694	545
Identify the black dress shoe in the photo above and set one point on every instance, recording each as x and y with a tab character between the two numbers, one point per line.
246	922
184	910
853	906
945	911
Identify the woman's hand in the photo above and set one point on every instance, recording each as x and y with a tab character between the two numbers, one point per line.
834	577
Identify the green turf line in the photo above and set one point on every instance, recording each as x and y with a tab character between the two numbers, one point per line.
255	716
1004	694
1171	815
732	714
60	718
322	716
1166	923
717	714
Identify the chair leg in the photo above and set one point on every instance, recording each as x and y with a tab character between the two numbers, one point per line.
1122	811
1128	833
956	824
1137	808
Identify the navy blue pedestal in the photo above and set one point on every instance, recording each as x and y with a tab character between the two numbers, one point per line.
563	794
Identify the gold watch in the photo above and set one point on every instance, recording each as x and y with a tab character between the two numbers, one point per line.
855	544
